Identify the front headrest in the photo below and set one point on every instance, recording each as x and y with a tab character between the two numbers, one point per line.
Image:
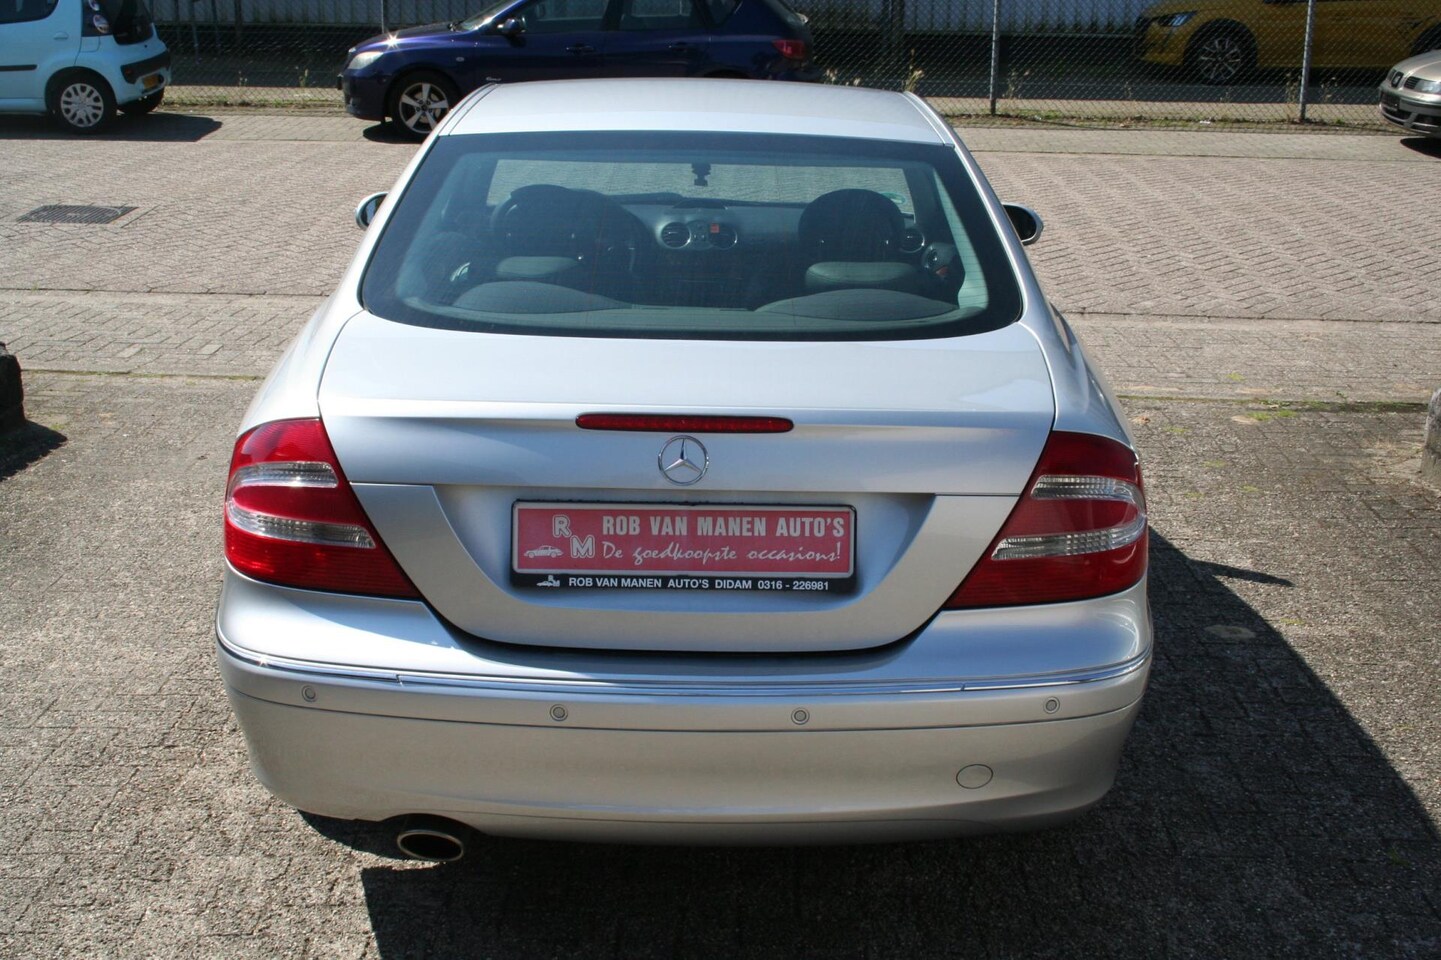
851	225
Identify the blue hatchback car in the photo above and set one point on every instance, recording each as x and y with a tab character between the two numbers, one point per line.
413	76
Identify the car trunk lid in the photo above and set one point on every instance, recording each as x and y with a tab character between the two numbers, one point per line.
918	449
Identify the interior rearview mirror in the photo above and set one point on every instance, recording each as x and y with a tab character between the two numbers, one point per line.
1028	223
367	209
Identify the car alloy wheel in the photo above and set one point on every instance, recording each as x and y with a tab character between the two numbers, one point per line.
1220	58
82	105
421	105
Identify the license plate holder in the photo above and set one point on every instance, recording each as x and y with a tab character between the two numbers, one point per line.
660	546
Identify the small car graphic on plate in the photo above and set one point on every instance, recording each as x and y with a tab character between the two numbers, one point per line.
545	551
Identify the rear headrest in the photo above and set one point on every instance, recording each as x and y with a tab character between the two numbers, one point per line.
862	275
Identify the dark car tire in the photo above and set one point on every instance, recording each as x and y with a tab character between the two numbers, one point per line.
144	105
418	101
81	102
1221	55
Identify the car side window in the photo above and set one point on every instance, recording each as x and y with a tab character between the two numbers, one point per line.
25	11
720	10
659	15
973	293
563	16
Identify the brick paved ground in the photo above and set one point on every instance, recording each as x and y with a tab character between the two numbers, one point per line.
1278	797
1171	240
1232	237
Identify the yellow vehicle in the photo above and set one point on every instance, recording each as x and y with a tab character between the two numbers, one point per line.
1219	41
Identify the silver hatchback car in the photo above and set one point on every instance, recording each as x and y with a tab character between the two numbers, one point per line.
1411	94
687	461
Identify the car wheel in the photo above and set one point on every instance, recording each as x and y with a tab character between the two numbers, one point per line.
1222	56
418	101
144	105
82	103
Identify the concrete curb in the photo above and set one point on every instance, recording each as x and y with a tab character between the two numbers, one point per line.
1431	452
12	393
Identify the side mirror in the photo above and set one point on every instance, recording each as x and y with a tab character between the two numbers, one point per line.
510	27
1028	223
367	209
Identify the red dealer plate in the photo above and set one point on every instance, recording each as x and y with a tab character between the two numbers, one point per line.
632	546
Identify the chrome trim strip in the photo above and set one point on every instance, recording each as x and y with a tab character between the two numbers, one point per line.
316	532
288	473
681	688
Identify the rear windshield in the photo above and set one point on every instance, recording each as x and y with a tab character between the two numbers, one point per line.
695	236
128	21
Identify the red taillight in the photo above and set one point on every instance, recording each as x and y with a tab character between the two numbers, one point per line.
292	519
683	423
791	49
1078	531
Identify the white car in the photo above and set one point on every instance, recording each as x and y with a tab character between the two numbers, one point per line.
80	60
855	538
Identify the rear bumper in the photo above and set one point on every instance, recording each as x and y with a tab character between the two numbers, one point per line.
863	746
134	72
685	786
130	79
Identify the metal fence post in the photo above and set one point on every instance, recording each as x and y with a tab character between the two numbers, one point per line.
1306	56
382	17
995	50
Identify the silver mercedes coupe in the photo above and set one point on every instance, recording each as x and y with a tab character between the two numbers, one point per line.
686	461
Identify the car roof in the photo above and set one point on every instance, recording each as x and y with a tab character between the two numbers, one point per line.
710	105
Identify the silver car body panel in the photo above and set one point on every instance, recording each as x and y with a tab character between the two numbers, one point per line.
930	441
406	404
367	708
345	635
694	104
911	556
1427	66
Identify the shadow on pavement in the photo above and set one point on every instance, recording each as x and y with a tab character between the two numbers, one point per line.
373	838
385	133
160	127
26	445
1252	817
1427	146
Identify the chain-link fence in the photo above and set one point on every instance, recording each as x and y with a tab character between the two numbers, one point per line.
1101	61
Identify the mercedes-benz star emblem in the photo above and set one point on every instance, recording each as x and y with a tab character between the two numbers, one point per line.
683	460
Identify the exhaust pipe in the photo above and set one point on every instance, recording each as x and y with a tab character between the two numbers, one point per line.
432	839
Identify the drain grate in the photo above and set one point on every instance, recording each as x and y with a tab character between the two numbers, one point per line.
57	213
